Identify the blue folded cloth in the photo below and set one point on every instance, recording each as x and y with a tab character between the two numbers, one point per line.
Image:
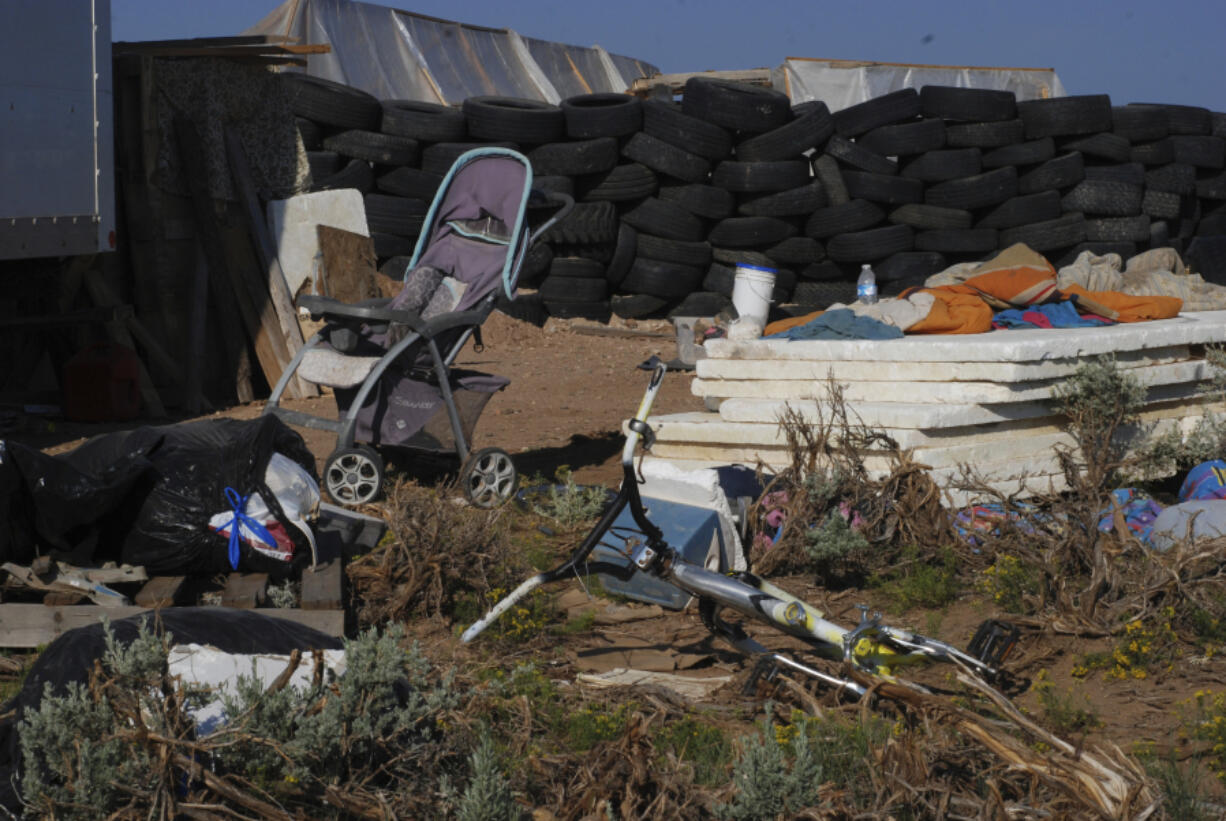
841	323
1051	315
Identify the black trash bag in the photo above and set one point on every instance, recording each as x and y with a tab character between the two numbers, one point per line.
50	505
71	657
163	523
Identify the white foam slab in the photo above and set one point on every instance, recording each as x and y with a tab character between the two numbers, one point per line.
922	371
934	392
293	222
1026	345
921	415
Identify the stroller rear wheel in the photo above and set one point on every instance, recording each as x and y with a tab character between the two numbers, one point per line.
489	477
354	476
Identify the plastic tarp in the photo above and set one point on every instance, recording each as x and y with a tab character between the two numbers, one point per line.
399	55
843	83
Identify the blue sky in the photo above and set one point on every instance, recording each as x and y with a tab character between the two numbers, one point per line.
1170	52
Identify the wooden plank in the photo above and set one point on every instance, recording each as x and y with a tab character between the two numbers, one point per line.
274	278
31	625
59	598
347	270
245	590
160	591
321	587
125	46
753	76
257	315
118	332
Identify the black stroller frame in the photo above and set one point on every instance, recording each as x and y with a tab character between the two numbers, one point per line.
354	472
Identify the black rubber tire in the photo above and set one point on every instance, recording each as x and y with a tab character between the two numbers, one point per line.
984	135
909	265
719	279
1129	172
828	269
575	267
989	188
555	183
1104	198
847	217
1202	152
1064	171
637	306
1138	123
1188	120
624	251
334	104
1126	250
895	107
932	217
1212	225
438	158
796	251
353	476
536	263
958	241
779	175
738	106
794	202
1177	178
667	280
575	157
597	311
409	182
750	232
857	156
785	284
310	133
356	174
823	293
574	289
1161	204
528	308
666	158
1118	229
1159	233
697	254
514	119
826	170
1207	257
602	115
392	245
701	303
1048	235
402	216
738	256
870	245
1027	153
883	188
946	164
808	131
1023	210
590	223
1102	146
1217	120
665	121
970	105
700	200
622	183
1057	116
897	287
905	138
1212	188
372	146
665	219
428	122
1159	152
323	164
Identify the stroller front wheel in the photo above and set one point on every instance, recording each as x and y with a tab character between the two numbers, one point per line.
489	477
354	476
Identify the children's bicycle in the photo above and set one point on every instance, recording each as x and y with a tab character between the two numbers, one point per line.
869	651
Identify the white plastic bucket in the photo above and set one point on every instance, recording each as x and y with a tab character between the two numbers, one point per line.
752	291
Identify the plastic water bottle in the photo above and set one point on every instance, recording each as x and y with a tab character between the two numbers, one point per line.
866	285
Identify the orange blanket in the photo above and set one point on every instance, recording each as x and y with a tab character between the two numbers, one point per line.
1132	308
958	309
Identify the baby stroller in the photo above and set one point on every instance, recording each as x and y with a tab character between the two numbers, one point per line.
389	361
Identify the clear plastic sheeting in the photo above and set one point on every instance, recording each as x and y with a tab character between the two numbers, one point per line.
843	83
396	54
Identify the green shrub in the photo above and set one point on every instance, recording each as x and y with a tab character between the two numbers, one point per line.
703	746
772	778
922	581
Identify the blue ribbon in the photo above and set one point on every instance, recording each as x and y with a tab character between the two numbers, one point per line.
239	503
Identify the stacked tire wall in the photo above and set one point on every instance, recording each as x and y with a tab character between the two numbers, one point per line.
672	195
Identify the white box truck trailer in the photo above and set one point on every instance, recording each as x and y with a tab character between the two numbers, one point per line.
57	180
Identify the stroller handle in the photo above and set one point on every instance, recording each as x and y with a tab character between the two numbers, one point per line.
567	203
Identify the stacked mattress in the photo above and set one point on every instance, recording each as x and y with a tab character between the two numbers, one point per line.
984	400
